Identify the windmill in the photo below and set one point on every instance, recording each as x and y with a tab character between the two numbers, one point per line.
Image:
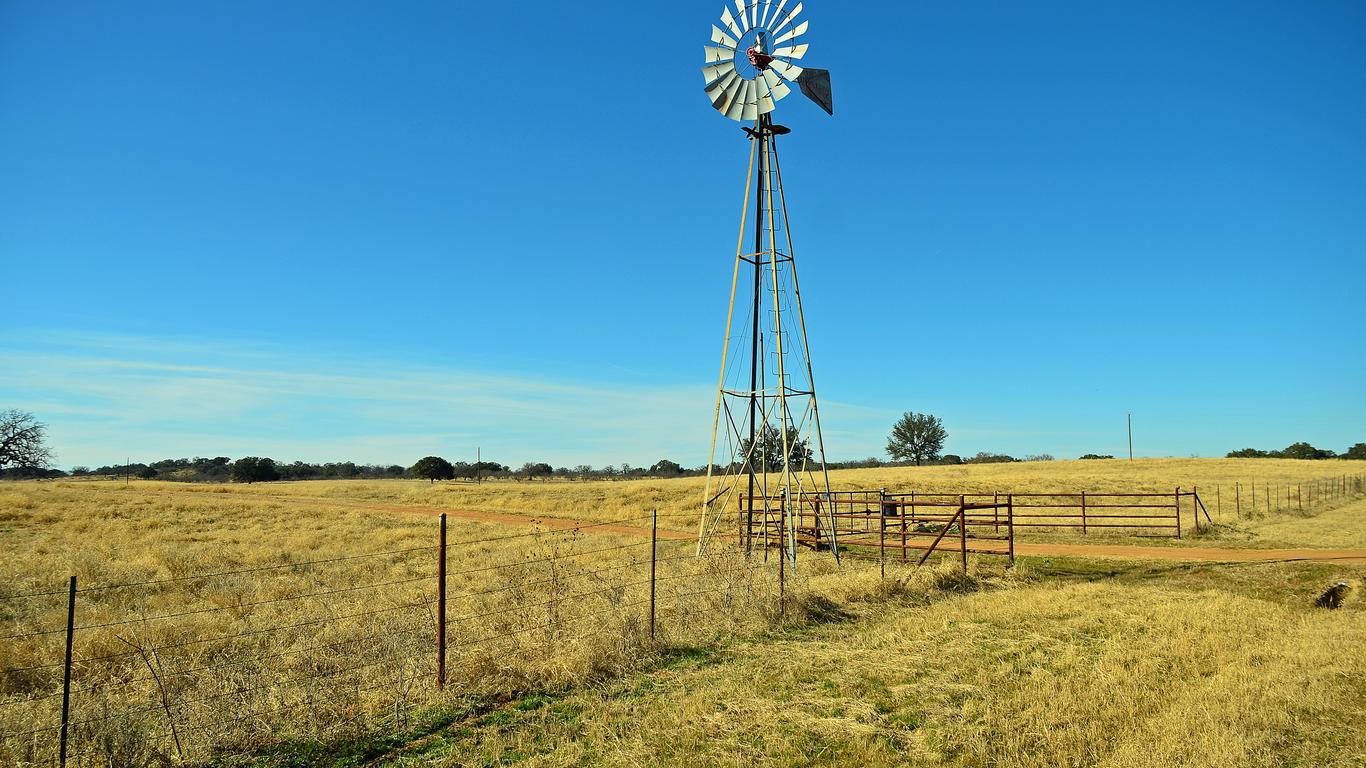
766	476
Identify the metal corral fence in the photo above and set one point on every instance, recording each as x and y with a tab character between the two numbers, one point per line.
205	666
868	520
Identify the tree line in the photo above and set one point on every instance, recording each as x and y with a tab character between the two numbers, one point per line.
1301	451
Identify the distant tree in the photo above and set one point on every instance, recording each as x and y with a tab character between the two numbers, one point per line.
148	474
1247	453
666	468
1040	457
251	469
1095	457
917	437
23	441
768	453
984	457
80	471
951	459
1306	451
433	468
535	469
1356	452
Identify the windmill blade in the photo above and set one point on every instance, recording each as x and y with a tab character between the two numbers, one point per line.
713	72
776	85
795	52
742	15
815	84
754	13
777	14
763	18
719	54
790	72
721	38
735	108
797	31
790	17
751	110
766	101
729	21
724	91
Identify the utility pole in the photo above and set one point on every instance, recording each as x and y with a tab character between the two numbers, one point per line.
1131	436
478	459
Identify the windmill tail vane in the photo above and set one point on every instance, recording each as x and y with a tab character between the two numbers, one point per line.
767	481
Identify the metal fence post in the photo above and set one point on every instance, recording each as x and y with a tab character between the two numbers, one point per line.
1195	506
882	531
1083	513
963	530
654	548
441	609
66	674
1177	497
1010	523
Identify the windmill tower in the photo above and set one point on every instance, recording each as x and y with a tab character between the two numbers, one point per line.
766	477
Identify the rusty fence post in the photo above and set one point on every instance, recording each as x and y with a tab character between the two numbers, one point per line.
654	550
1010	524
1083	513
902	512
1177	498
963	530
1195	506
441	608
882	532
66	673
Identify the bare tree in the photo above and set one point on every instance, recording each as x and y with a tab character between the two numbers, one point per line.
23	441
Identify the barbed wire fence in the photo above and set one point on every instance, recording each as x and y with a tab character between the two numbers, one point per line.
207	666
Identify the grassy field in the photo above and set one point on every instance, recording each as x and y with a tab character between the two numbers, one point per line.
317	632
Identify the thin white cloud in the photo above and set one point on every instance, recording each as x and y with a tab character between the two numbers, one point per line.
107	397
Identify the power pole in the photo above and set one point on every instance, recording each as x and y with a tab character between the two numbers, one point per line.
1131	437
478	460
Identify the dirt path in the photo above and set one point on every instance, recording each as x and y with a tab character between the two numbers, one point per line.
1032	549
1201	554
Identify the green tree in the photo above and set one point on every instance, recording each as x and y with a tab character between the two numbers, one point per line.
1356	452
666	468
251	469
433	468
1307	452
533	469
768	453
918	437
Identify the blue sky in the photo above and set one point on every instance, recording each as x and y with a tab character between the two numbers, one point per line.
345	230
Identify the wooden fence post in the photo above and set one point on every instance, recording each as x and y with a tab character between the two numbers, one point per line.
1083	513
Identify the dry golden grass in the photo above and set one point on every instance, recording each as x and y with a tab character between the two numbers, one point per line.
551	612
303	634
1112	674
